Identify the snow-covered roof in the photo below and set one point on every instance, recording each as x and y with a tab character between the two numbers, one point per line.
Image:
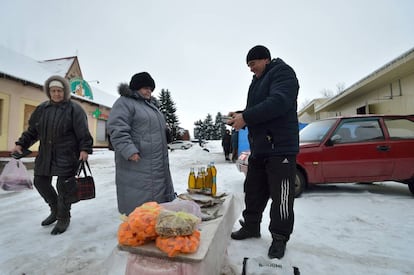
22	67
99	97
27	69
58	66
103	97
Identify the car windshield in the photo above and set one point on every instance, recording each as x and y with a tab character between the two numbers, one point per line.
316	131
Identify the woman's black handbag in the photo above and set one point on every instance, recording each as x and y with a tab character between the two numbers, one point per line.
85	185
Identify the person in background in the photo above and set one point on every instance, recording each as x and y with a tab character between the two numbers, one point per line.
271	116
234	145
138	134
226	144
61	126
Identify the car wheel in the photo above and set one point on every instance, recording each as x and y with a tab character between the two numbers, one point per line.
183	147
300	183
411	186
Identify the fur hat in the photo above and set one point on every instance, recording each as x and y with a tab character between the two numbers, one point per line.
141	80
56	80
258	52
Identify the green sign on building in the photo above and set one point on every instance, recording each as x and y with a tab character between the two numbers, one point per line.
80	87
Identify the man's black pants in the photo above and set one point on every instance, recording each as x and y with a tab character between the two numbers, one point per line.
271	177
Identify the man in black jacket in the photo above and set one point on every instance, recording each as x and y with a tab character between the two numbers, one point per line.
271	117
226	144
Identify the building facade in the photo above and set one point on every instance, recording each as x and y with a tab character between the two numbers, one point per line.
388	90
21	90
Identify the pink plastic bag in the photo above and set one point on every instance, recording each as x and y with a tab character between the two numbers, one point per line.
140	264
15	176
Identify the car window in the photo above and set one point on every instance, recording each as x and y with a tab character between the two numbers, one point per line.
316	131
357	131
345	133
368	130
400	128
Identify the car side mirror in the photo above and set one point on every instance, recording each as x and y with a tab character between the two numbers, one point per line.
334	139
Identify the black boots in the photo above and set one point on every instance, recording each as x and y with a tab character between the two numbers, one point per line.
60	213
247	231
52	217
276	250
60	202
63	216
61	226
278	247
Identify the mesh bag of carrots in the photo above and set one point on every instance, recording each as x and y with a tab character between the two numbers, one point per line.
179	244
173	232
177	232
139	226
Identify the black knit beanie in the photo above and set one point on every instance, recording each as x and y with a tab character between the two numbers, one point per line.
258	52
141	80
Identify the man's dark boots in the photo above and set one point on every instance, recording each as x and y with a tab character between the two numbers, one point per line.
247	231
52	217
278	247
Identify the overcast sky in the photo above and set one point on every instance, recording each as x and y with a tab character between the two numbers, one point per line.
197	49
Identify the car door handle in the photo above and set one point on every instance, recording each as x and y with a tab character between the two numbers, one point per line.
383	148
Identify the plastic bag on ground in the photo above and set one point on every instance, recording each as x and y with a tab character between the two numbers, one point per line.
263	266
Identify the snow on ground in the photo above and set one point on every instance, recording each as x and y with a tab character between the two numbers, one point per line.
339	229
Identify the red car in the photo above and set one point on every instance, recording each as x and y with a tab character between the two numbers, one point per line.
361	148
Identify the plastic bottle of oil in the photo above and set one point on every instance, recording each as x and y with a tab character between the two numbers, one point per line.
203	175
200	179
209	179
214	177
191	179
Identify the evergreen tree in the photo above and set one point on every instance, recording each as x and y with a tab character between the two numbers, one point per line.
167	107
208	130
220	127
198	130
209	127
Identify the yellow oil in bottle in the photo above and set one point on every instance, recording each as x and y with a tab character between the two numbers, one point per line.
209	179
214	179
191	179
203	174
199	179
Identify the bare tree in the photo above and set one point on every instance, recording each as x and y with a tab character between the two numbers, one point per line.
304	103
340	87
327	93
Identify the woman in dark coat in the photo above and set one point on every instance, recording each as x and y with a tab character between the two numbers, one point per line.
61	126
138	134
